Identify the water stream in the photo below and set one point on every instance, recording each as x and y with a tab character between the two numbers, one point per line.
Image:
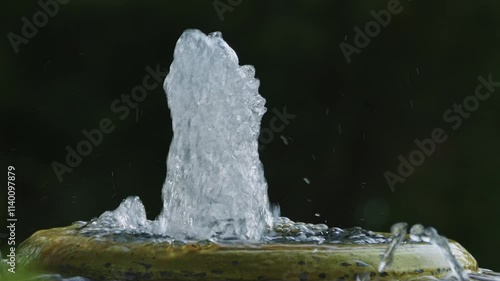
420	234
398	235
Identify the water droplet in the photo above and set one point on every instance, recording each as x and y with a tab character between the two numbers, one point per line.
285	140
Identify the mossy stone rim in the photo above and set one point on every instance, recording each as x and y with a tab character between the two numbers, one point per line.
64	251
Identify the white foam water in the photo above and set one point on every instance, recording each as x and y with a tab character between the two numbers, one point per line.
215	183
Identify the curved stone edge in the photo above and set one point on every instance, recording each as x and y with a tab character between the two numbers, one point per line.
62	251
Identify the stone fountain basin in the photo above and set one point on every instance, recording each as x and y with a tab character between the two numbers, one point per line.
64	251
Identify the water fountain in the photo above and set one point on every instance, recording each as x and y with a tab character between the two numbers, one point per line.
217	222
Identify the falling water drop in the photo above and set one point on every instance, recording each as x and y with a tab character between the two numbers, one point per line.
285	140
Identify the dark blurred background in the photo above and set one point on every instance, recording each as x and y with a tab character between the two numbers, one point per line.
352	120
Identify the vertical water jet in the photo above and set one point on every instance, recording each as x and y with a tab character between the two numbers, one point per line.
215	185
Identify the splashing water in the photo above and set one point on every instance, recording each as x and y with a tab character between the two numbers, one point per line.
215	185
215	182
420	234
